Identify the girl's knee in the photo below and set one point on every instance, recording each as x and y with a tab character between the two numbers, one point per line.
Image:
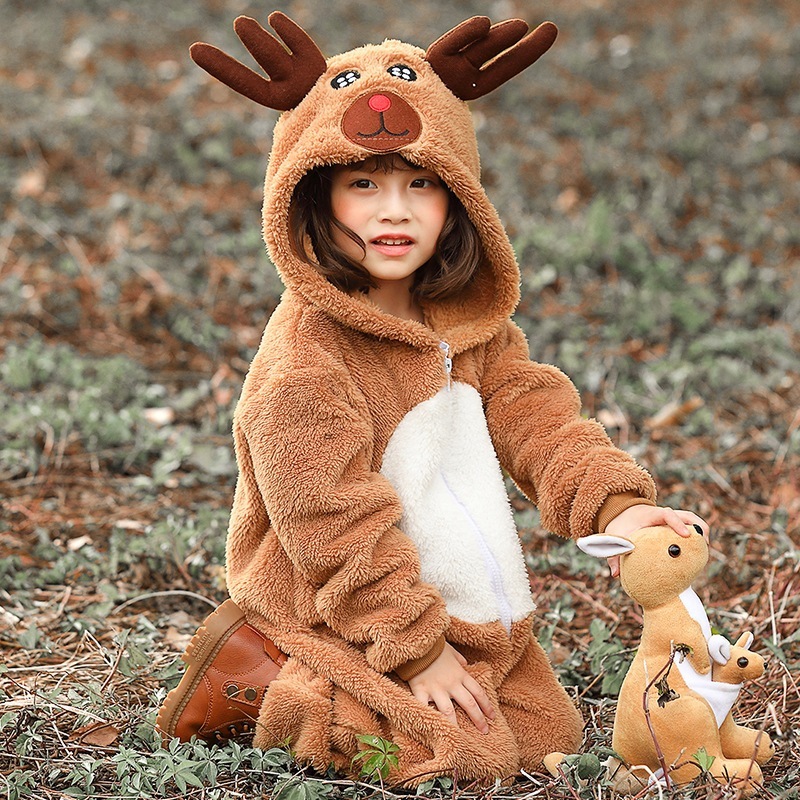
537	735
538	709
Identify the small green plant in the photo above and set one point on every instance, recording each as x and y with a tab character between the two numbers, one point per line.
440	784
378	756
18	784
583	769
608	656
703	759
588	766
299	788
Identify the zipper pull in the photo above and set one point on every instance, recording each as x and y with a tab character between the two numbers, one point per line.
448	362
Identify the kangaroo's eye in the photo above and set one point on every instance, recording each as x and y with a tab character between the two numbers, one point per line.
742	662
345	79
674	550
403	72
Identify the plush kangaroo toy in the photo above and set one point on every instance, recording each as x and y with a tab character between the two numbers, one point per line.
688	707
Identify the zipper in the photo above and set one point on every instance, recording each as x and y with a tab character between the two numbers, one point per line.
448	361
489	561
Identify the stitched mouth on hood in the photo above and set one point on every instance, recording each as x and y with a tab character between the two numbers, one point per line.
383	129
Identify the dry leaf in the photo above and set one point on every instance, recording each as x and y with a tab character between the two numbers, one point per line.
31	183
100	734
7	619
568	199
130	525
177	640
73	545
160	416
611	419
674	413
180	619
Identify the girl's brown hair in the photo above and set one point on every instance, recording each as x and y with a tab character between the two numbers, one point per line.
458	255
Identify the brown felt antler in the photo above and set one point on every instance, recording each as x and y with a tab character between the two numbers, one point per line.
476	57
292	73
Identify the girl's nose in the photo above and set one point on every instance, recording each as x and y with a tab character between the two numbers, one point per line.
394	207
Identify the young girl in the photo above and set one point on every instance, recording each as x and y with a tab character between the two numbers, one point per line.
371	538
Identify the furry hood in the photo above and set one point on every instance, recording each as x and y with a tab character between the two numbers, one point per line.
376	99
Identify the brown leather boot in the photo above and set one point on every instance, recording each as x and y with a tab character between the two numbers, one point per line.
229	665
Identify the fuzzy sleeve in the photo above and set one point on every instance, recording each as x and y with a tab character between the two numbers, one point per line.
336	519
564	463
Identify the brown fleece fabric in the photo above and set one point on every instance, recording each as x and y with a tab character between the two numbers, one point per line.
316	554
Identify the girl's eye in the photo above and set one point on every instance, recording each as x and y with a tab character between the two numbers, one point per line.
403	72
345	79
422	183
363	183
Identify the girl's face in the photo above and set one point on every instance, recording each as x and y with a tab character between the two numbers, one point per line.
398	214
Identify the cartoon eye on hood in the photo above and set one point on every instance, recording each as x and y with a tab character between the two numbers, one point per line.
346	78
403	72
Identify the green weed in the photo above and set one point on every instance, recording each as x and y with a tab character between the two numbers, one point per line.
378	756
608	657
60	401
703	759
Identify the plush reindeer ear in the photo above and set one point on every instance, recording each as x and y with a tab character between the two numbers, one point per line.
745	640
476	57
291	72
601	545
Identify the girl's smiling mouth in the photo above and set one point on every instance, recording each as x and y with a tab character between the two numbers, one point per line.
392	245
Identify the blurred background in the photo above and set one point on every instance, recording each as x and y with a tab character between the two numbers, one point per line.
648	171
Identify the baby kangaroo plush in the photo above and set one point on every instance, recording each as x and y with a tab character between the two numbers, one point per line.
735	664
690	697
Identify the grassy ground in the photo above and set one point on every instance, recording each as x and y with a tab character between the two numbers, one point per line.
648	169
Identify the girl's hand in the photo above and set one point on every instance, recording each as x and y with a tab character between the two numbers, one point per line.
644	516
446	680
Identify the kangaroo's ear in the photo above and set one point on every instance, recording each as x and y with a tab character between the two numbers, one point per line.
601	545
745	640
719	648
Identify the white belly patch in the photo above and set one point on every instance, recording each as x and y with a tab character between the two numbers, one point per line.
443	466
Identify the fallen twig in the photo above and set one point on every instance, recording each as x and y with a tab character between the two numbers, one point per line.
166	593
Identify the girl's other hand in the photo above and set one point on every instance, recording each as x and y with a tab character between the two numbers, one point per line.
644	516
446	680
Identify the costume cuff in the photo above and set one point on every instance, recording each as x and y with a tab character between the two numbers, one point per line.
614	505
413	668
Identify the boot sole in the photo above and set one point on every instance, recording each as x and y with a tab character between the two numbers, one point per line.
216	629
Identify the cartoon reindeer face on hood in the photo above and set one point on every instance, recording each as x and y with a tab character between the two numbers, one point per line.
376	99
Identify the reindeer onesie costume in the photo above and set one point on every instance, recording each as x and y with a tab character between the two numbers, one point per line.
370	521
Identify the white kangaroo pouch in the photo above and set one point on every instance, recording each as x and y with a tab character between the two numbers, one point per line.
720	696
